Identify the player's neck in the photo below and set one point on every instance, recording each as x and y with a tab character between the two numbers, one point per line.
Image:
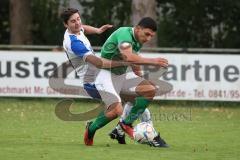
76	33
134	33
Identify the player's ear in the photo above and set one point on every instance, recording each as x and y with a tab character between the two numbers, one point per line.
65	24
138	28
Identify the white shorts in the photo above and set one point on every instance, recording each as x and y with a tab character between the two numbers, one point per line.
110	85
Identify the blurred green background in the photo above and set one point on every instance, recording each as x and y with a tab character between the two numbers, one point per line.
190	24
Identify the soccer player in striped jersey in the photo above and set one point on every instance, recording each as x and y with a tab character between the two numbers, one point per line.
78	47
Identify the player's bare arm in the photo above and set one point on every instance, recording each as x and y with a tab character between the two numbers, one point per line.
93	30
137	70
104	63
128	55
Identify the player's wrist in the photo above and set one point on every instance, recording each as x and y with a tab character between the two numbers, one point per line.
98	31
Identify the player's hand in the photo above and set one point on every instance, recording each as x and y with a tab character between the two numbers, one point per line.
161	62
104	28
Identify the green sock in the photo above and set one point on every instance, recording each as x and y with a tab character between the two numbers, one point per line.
99	122
139	106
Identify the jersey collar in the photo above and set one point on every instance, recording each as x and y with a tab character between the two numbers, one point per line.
133	34
73	33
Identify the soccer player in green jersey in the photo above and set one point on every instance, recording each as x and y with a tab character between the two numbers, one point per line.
124	44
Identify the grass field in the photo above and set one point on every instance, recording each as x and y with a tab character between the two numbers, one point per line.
29	129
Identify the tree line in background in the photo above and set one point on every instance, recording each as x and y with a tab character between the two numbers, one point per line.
199	23
192	23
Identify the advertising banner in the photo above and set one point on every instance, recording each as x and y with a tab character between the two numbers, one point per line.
213	77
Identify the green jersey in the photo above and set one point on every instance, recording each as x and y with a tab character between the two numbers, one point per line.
110	48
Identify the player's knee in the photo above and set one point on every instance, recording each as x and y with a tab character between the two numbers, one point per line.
114	110
151	91
147	91
119	111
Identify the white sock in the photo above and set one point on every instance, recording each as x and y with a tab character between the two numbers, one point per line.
146	117
126	110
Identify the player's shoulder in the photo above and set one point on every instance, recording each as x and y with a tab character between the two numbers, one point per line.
69	37
73	37
124	29
123	32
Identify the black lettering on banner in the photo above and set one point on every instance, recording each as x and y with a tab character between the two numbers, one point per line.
231	70
36	64
184	69
51	71
208	73
8	72
197	68
171	74
199	72
20	66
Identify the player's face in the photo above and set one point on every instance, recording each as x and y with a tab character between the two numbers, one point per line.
74	23
144	35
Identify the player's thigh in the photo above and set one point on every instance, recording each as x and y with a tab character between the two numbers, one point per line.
108	88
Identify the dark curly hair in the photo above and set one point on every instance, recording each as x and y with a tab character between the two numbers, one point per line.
67	13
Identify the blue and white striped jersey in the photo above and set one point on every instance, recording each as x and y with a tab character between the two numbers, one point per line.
77	45
77	48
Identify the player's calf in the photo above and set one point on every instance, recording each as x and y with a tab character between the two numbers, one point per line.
88	138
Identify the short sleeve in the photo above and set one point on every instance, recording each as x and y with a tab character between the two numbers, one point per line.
78	46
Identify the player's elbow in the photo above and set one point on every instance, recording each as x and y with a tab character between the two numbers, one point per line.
96	61
127	58
98	64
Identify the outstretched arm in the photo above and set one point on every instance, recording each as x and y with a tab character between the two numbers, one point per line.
104	63
128	56
93	30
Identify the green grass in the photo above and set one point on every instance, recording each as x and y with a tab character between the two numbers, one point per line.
29	129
